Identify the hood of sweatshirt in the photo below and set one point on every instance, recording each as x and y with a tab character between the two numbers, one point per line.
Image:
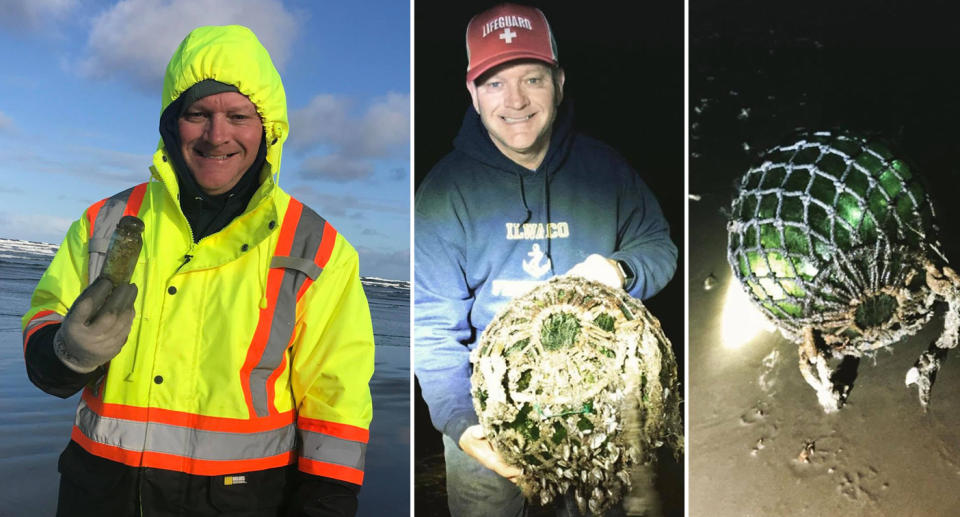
474	141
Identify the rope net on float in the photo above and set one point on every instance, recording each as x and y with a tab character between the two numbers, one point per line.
832	232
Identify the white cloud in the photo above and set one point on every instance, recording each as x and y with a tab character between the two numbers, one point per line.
134	39
321	121
393	265
34	227
330	124
335	167
33	14
337	204
115	166
90	163
382	129
385	127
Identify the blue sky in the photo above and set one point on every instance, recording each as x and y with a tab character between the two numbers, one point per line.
80	104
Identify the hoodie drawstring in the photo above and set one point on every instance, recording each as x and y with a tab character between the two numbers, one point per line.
546	211
264	271
523	199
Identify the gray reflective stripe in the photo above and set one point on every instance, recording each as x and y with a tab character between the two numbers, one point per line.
184	441
305	266
98	245
330	449
281	330
306	241
103	226
53	316
34	323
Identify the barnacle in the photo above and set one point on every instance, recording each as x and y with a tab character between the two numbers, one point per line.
833	237
575	383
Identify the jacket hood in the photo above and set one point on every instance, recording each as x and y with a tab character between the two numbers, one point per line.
233	55
474	140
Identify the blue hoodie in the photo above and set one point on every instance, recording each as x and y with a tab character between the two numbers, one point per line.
488	229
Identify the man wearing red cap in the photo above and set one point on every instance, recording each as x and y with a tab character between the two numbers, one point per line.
522	198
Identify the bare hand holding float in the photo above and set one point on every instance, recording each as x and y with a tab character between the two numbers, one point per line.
474	443
598	268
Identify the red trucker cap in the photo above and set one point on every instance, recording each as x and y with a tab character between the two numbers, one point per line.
505	33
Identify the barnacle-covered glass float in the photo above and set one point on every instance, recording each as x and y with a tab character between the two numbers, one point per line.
575	384
833	237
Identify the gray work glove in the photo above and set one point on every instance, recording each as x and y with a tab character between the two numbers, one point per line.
96	327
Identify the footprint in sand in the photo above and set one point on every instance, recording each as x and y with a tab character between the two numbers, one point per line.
759	415
857	483
862	484
760	412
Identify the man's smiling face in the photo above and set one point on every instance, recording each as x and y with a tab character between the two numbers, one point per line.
517	103
220	137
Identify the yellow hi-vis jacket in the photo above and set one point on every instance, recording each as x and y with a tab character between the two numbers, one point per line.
251	349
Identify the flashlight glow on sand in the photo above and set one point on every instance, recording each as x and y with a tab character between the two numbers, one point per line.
740	319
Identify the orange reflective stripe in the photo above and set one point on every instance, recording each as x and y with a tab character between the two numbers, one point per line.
345	431
135	200
179	463
52	317
330	470
326	245
92	214
289	227
183	419
323	254
274	278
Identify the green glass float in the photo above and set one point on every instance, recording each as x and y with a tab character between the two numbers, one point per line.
576	384
833	237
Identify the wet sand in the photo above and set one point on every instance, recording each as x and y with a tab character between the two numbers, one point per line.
751	416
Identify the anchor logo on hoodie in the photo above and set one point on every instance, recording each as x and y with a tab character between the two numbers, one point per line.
535	267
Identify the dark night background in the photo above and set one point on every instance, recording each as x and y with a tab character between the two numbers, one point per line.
625	75
884	68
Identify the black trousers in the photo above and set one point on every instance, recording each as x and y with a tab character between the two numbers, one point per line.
96	487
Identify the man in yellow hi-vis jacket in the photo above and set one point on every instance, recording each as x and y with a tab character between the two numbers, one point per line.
231	377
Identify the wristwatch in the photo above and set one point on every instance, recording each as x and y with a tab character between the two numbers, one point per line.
626	272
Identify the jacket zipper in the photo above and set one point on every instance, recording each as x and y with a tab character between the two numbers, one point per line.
186	258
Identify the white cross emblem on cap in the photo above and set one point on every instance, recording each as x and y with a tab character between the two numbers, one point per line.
508	35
